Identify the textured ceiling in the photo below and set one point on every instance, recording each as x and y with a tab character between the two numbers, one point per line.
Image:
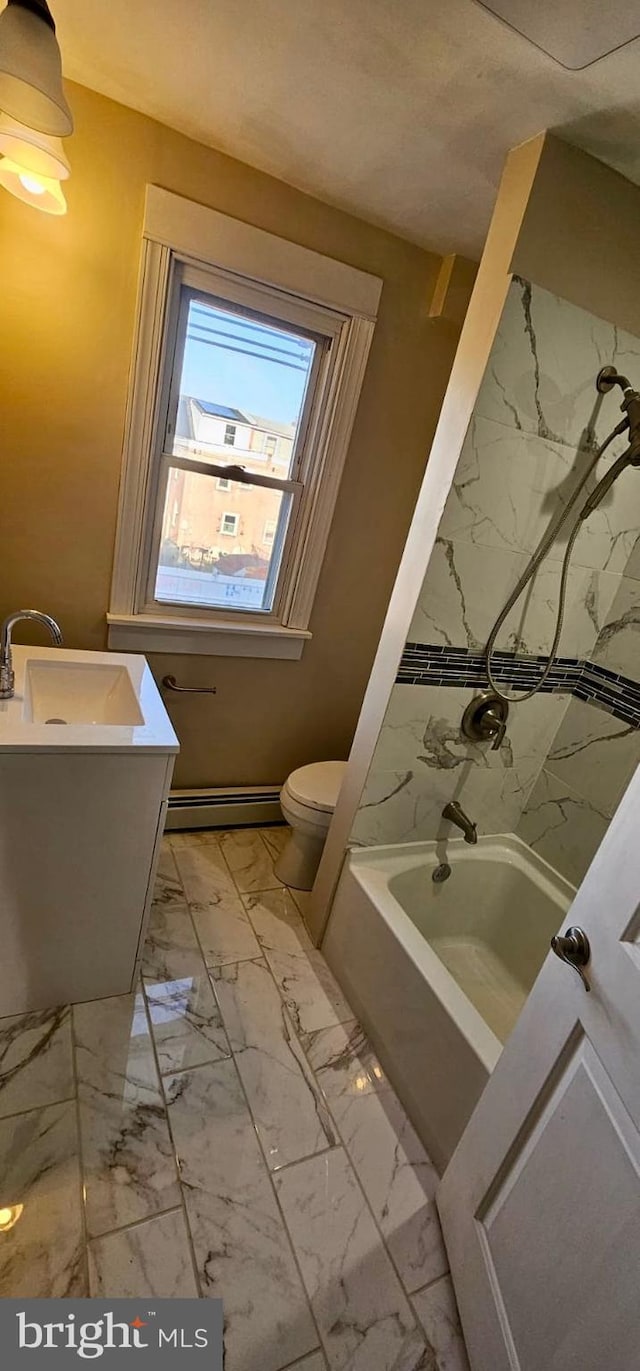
400	111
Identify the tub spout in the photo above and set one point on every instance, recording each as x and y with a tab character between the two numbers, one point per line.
456	815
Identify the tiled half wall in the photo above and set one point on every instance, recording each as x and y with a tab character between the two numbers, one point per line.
571	750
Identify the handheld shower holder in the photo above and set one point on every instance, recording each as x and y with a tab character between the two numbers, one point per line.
608	377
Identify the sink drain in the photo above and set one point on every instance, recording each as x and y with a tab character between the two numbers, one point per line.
55	721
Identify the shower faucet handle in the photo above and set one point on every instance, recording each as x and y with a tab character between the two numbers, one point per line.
500	730
486	717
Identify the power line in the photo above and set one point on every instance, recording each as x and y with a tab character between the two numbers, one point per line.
239	321
260	357
238	338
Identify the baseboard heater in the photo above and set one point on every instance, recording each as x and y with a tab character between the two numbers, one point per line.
231	807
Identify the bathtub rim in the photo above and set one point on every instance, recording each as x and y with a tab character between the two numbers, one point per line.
374	867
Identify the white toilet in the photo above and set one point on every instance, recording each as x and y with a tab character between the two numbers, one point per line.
307	799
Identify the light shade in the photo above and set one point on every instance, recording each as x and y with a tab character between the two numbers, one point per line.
9	1216
31	69
34	152
41	192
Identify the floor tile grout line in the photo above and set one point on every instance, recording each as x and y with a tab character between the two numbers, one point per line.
35	1108
280	1211
81	1169
234	961
341	1145
228	866
269	890
269	859
193	925
193	922
294	895
294	1254
446	1275
258	895
241	894
290	1236
263	962
354	1168
195	1066
135	1223
369	1207
183	1203
338	1023
175	1070
301	953
460	1330
272	860
313	1352
308	1157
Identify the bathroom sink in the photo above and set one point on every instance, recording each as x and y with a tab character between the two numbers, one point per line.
79	693
68	700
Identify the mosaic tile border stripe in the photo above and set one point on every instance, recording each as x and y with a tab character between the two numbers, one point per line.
426	664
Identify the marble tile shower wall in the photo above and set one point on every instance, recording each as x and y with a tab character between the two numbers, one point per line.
565	763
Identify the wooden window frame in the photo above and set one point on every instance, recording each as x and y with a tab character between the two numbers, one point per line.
185	241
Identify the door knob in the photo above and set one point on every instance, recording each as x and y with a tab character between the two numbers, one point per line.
574	949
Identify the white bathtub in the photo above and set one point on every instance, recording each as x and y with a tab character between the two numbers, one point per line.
438	973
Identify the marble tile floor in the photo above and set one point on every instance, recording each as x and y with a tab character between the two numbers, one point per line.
226	1131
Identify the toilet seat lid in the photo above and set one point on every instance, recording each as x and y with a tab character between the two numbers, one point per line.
317	785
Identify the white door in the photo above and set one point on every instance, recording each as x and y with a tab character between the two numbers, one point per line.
540	1204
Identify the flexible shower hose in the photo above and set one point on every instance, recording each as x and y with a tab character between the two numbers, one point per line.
536	561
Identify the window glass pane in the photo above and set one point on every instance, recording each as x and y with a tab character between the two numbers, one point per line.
220	549
242	386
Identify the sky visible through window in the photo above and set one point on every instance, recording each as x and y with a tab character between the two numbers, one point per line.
233	360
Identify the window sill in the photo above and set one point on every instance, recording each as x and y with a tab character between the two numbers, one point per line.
210	638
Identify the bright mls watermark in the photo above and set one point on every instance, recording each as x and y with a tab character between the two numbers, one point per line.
146	1332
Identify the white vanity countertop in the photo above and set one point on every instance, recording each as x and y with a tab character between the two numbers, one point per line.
19	732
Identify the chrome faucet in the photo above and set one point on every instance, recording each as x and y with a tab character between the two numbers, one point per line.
456	815
7	677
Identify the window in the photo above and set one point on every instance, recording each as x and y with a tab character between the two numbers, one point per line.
239	333
222	351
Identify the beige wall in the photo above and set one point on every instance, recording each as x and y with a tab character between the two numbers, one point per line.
68	297
579	235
